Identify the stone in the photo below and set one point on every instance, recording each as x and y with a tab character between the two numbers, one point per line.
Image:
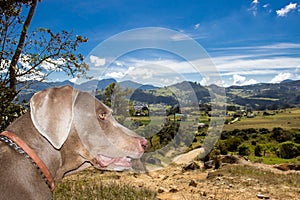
193	183
161	190
261	196
173	190
191	166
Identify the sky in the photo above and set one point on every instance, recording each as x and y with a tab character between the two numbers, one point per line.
160	42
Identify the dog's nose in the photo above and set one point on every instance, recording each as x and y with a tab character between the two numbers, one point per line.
143	143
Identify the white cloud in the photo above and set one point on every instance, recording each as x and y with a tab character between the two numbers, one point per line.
288	8
51	65
115	75
242	80
97	61
253	7
196	26
281	77
238	80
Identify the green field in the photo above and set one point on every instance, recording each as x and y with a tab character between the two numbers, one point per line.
286	119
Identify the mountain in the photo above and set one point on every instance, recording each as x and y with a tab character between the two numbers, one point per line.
265	95
258	96
287	81
93	85
134	85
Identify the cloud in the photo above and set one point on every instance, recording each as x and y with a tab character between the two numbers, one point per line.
288	8
281	77
242	80
97	61
115	75
196	26
238	80
253	7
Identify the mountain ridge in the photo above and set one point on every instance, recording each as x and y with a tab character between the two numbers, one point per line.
257	96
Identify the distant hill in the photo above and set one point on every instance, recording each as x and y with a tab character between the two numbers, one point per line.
266	95
134	85
258	96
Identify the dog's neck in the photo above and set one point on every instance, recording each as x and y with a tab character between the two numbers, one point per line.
27	132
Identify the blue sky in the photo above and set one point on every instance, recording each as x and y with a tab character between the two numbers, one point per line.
247	41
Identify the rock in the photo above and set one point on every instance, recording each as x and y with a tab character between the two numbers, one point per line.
287	167
188	157
261	196
209	164
191	166
193	183
165	178
161	190
173	190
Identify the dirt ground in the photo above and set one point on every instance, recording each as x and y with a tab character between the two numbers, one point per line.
188	180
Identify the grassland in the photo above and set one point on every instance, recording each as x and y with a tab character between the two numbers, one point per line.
286	119
97	185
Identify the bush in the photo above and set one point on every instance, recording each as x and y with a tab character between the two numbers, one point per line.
258	150
233	143
281	135
9	111
244	150
288	150
297	138
221	146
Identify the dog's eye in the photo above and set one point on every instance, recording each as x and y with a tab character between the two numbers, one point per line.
102	116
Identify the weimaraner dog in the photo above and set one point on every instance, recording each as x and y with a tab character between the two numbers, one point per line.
66	129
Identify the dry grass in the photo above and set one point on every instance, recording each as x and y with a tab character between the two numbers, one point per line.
90	184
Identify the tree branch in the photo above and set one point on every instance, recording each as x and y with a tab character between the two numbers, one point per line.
16	56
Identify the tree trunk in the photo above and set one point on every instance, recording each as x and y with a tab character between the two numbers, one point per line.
16	56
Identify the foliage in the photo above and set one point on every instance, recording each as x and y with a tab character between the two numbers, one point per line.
115	98
233	143
288	149
34	55
281	135
31	55
244	150
9	111
277	142
258	150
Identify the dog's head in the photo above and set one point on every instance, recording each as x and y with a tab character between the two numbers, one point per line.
57	111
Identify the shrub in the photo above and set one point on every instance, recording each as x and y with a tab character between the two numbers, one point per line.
233	143
281	135
297	138
258	150
288	150
243	150
9	110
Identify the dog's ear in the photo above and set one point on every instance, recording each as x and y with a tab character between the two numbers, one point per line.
52	115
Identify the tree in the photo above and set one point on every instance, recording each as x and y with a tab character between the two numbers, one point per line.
288	150
34	55
244	150
31	55
115	98
258	150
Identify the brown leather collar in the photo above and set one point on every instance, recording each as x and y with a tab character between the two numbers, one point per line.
33	156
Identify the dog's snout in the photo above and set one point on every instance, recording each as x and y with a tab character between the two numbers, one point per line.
143	143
